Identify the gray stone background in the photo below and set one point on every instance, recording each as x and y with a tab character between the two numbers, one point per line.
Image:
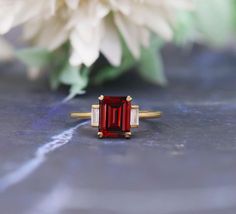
183	163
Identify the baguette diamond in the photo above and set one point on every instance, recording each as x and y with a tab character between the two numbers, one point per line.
134	119
95	116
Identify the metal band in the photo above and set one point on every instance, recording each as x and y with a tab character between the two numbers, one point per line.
149	114
142	115
78	115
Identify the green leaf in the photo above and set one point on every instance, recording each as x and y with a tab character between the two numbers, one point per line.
184	30
128	60
234	16
109	72
214	18
54	79
70	75
59	60
76	77
151	66
76	89
34	57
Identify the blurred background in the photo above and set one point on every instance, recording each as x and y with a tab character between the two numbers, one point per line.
192	23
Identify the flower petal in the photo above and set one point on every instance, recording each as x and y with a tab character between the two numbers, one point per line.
130	33
111	46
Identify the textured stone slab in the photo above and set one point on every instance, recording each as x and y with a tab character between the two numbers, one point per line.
182	163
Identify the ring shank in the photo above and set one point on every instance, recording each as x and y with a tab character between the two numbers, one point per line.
83	115
149	114
142	115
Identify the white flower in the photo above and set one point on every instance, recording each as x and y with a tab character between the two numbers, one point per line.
92	26
6	51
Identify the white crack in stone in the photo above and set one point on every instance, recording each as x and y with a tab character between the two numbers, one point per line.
40	156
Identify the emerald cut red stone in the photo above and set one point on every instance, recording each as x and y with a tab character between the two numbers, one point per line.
114	116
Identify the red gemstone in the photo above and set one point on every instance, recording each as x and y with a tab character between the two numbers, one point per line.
114	116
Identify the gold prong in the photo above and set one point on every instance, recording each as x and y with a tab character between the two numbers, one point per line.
129	98
128	135
100	135
101	97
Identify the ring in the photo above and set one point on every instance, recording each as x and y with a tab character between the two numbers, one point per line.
115	116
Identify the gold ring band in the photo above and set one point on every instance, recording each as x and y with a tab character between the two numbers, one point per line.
142	115
149	114
78	115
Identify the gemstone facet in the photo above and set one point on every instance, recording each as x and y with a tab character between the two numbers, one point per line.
114	116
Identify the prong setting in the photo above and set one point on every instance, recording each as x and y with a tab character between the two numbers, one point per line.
129	98
128	135
101	97
100	135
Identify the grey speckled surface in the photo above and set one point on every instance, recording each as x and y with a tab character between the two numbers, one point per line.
184	163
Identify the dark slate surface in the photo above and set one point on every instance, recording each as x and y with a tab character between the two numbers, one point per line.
184	163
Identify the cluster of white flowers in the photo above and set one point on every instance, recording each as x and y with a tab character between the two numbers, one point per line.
92	26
